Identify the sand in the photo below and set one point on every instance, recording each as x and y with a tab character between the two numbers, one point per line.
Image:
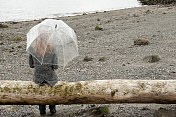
114	43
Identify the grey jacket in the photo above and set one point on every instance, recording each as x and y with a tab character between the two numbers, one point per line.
45	72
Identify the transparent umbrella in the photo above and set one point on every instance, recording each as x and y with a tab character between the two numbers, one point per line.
52	37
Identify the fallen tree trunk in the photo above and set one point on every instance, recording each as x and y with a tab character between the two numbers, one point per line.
89	92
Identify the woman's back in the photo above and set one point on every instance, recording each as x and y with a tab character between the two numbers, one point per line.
44	72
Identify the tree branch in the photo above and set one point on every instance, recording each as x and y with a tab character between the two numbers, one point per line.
89	92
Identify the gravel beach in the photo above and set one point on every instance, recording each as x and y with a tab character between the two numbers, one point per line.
112	55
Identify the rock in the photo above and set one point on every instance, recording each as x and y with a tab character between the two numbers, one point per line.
14	22
86	59
98	19
12	51
123	65
19	46
141	41
102	59
145	108
1	43
173	72
91	105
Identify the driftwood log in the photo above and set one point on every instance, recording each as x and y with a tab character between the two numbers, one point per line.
89	92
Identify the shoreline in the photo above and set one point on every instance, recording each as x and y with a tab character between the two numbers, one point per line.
115	43
71	15
142	3
87	13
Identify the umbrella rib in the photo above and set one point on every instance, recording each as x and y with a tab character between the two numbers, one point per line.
63	48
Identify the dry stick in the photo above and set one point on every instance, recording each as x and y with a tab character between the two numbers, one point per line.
89	92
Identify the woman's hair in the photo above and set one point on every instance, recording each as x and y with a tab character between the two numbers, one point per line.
42	46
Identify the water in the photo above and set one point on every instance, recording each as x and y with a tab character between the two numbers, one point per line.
20	10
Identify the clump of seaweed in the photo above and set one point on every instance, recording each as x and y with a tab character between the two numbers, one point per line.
14	38
3	26
104	110
97	112
98	28
152	58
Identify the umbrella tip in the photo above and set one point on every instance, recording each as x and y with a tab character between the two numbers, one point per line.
55	26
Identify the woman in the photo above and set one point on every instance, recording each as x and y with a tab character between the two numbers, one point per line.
43	73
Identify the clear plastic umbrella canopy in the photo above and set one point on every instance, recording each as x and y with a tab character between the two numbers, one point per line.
52	38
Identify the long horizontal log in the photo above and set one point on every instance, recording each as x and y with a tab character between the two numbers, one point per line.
89	92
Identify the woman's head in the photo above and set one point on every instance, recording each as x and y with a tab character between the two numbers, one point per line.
42	45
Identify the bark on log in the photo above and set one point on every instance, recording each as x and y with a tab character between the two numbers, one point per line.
89	92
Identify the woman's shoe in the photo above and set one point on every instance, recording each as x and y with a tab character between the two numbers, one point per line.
42	109
52	111
42	112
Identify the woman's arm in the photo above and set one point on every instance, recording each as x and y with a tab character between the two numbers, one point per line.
31	62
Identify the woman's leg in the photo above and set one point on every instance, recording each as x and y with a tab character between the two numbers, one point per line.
52	109
42	109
